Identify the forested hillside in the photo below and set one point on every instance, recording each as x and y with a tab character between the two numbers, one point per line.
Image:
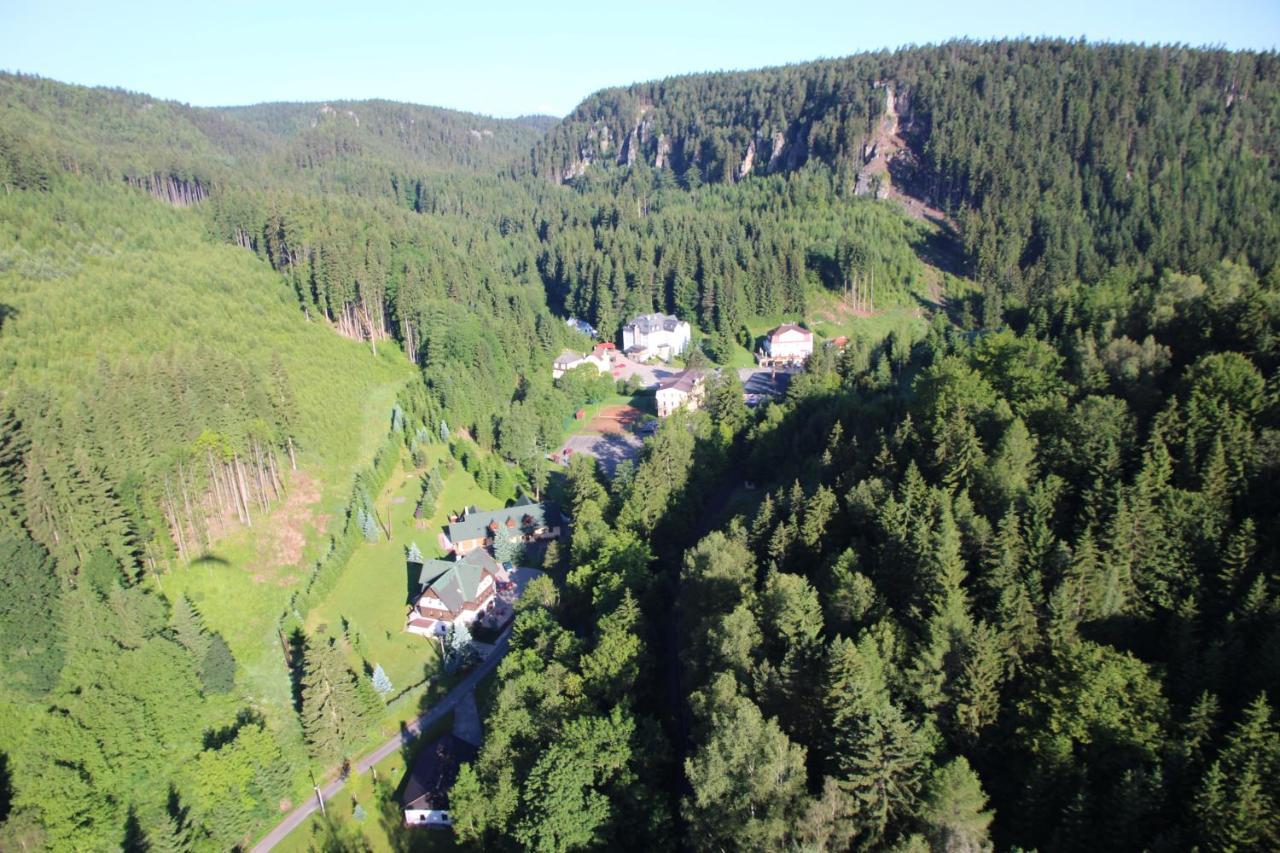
1057	159
160	391
181	153
1000	569
1015	588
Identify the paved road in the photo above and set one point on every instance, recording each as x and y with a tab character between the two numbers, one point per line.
407	735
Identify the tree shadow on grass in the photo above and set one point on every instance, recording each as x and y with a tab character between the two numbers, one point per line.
297	655
390	817
218	738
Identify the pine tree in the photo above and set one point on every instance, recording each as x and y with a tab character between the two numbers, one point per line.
458	645
218	669
414	556
188	628
883	767
381	682
331	705
762	527
171	835
1237	806
369	525
955	809
977	692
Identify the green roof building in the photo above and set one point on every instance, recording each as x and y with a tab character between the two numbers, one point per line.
526	522
453	592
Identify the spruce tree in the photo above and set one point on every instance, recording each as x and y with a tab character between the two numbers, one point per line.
218	668
381	682
955	808
331	705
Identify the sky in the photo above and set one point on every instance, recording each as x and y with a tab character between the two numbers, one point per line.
508	59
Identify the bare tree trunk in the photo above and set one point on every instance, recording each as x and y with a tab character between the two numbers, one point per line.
244	489
186	502
171	516
277	487
257	472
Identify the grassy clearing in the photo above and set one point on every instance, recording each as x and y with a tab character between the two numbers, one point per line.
373	592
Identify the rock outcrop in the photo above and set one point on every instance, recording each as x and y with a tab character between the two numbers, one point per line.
748	160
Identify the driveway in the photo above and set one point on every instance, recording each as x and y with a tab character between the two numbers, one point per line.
765	381
463	691
609	450
625	368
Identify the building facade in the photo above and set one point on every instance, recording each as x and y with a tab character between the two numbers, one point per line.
527	522
787	344
656	334
426	794
453	593
684	391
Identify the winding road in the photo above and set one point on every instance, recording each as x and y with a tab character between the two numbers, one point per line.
407	735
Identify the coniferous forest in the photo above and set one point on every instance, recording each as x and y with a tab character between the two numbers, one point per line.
1001	572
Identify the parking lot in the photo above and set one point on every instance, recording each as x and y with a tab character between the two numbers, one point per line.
609	449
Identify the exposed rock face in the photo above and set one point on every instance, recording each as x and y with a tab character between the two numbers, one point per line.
775	154
663	158
748	160
628	154
578	167
600	133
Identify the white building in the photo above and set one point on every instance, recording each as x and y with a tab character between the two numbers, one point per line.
582	326
684	391
426	793
657	334
454	593
601	358
787	344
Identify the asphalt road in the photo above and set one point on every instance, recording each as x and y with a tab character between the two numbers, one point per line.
410	732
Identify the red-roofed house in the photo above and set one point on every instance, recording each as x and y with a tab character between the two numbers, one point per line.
787	344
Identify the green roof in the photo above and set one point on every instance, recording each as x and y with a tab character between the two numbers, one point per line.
453	583
522	516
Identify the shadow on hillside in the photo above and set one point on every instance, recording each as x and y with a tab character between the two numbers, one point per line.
7	312
941	248
210	558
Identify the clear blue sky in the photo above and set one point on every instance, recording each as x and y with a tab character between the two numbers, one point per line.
511	58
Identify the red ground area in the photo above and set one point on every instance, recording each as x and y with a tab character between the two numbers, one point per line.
615	419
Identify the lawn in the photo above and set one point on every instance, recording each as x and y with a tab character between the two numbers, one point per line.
243	583
372	593
382	828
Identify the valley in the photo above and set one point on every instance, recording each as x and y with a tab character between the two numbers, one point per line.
904	483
